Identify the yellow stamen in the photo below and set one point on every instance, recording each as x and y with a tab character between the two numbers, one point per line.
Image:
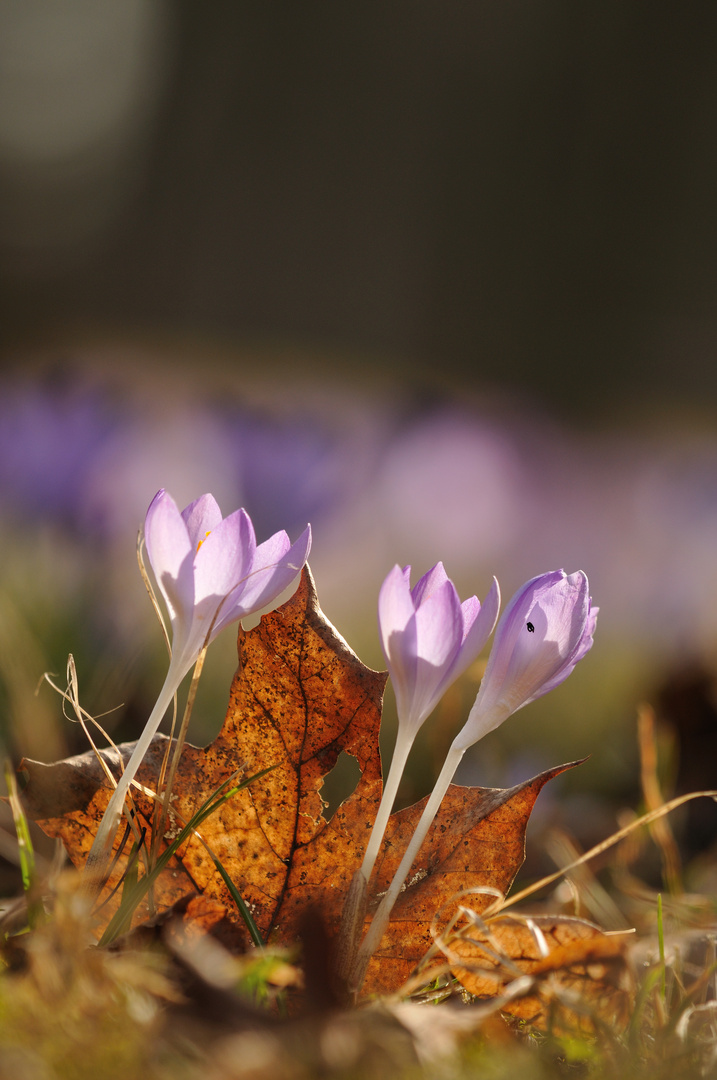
203	539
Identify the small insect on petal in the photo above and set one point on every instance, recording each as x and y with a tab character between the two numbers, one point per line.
531	628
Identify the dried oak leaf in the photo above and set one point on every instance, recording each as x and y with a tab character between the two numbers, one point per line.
581	976
299	698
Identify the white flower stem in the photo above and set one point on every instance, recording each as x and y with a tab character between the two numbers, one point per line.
98	858
388	797
383	912
161	816
354	911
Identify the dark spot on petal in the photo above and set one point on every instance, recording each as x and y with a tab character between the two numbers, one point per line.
531	628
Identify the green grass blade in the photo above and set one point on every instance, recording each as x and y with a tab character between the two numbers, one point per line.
132	872
133	895
239	901
26	852
661	946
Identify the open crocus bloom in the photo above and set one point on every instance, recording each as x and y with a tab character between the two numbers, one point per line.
546	628
210	572
428	638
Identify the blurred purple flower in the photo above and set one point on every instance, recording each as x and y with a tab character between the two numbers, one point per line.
50	434
288	469
474	478
545	630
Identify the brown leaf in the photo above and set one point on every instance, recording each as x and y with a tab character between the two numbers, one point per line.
299	698
477	840
581	975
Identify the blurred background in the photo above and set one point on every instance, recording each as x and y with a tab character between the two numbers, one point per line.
439	277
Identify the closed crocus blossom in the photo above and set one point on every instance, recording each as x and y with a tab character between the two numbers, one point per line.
545	630
211	572
429	638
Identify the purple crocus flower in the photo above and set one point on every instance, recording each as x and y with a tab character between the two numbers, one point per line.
428	638
546	628
210	572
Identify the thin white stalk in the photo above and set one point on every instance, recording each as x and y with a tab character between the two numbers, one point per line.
163	808
101	849
354	912
383	912
388	797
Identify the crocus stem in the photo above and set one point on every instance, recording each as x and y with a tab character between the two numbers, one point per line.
388	797
99	855
352	918
383	912
178	747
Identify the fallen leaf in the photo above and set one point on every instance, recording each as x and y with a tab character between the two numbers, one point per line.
477	840
299	698
581	975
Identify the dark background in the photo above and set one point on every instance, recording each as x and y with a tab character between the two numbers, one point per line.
499	193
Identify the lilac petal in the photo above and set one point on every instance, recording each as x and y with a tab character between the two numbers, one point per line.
398	633
536	643
395	605
584	644
478	626
401	652
513	625
439	624
430	582
557	608
546	628
201	517
471	610
439	629
421	630
170	554
225	557
274	567
587	639
423	635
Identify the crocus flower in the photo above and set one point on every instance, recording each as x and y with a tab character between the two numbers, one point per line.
210	572
428	638
547	627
